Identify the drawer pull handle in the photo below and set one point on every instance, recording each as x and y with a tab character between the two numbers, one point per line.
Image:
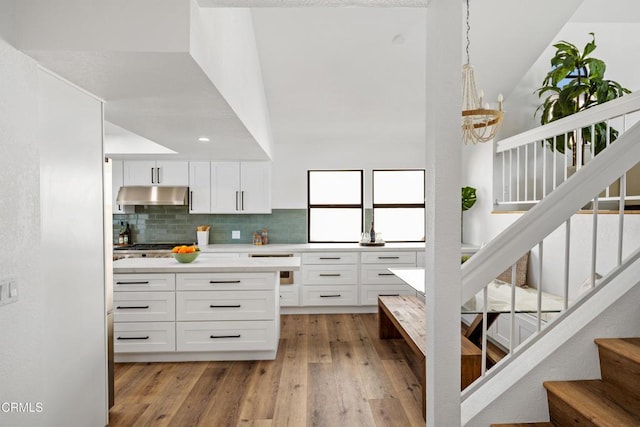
134	338
388	295
388	257
386	274
330	274
225	306
125	307
217	282
331	296
144	282
330	257
224	336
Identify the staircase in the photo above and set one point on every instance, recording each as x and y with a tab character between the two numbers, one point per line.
613	401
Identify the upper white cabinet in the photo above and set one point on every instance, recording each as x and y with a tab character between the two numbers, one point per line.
152	172
117	172
240	187
199	187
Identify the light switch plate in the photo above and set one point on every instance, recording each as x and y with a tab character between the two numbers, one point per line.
235	234
8	290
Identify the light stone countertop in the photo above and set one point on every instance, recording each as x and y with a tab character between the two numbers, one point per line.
206	263
320	247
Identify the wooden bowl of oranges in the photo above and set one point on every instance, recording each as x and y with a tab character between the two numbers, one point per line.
185	254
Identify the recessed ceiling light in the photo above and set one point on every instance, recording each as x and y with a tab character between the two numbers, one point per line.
203	139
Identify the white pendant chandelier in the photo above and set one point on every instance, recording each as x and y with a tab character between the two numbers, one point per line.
479	123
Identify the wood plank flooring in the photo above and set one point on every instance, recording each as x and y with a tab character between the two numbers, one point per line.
331	370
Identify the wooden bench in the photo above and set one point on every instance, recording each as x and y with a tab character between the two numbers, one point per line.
403	317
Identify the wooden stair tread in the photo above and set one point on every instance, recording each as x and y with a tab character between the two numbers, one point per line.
625	347
598	401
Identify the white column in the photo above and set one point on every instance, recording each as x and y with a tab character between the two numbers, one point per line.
444	65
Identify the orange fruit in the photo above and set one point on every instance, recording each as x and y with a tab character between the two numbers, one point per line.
175	249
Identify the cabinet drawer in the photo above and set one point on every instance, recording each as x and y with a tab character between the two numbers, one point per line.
144	282
225	305
387	257
369	293
144	306
226	281
144	337
330	295
330	258
375	274
289	296
226	336
330	275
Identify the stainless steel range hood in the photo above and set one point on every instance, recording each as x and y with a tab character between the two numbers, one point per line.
152	195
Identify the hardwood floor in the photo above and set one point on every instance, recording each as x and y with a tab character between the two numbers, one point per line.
331	370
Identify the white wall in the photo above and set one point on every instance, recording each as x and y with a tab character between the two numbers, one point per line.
291	162
223	43
52	344
21	334
117	26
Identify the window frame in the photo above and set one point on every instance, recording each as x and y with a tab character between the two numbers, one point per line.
334	206
400	205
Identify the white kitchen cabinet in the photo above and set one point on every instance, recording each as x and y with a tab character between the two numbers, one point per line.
225	305
375	278
144	306
240	187
199	187
144	282
144	337
156	172
329	295
330	278
144	309
226	336
525	326
117	181
226	311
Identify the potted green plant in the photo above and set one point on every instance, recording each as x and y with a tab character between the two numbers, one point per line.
575	83
469	198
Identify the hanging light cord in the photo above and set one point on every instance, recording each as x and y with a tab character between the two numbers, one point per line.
468	29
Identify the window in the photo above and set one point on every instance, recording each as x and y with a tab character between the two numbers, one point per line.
334	209
398	204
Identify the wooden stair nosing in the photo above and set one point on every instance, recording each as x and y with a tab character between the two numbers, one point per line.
595	401
629	348
538	424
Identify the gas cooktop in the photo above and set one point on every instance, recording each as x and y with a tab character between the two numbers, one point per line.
149	246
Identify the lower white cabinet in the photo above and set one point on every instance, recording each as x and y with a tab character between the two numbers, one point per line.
330	295
226	336
202	312
144	306
225	305
525	326
376	279
289	295
144	337
330	278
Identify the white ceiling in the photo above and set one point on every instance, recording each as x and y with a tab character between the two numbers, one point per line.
343	74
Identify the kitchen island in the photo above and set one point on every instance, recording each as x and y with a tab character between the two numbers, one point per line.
215	308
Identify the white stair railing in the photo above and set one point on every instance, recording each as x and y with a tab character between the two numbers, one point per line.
532	164
551	213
